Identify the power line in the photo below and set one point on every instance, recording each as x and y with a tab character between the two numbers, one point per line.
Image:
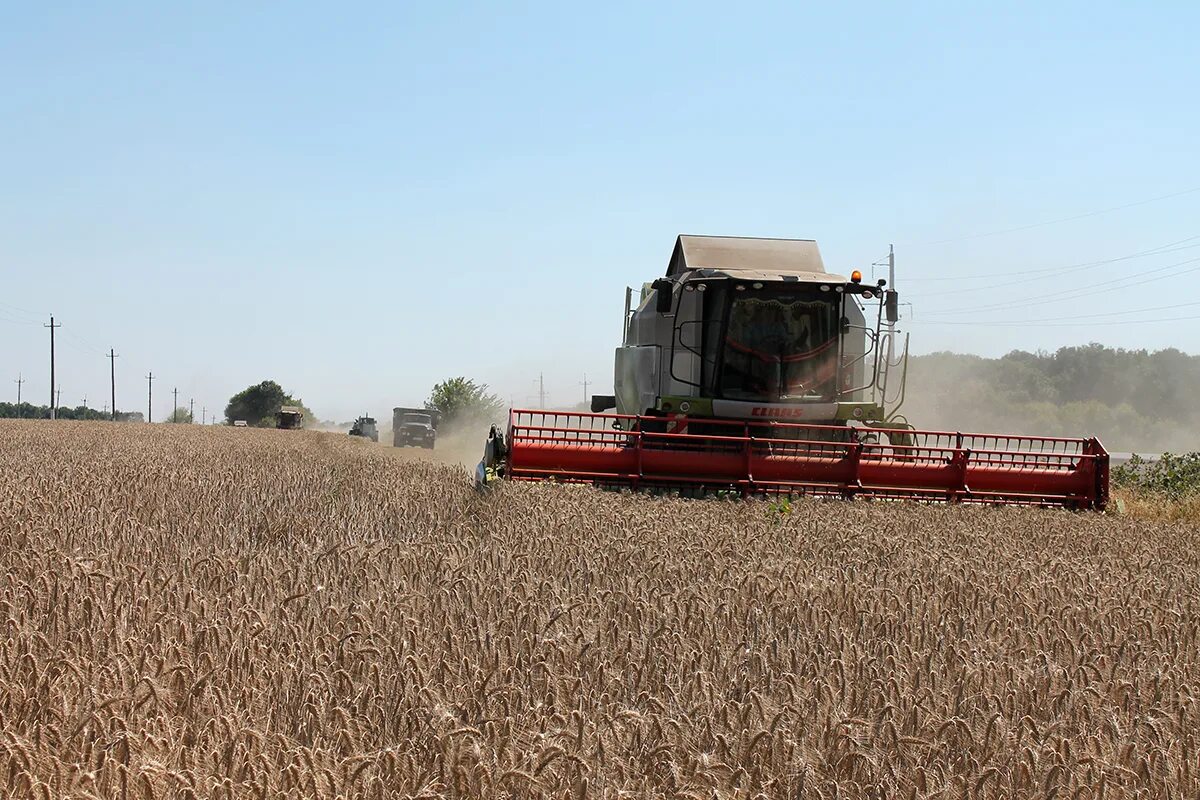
1065	219
1036	324
37	315
83	343
1172	247
1105	313
1087	290
14	320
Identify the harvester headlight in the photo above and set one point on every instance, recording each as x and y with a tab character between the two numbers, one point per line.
702	287
838	289
741	287
858	412
824	288
689	288
867	293
685	406
758	286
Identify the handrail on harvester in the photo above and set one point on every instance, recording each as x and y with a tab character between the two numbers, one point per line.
753	458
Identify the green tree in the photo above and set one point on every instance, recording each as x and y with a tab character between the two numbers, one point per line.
180	414
259	404
460	398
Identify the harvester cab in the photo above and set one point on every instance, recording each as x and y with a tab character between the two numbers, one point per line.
365	427
756	329
748	368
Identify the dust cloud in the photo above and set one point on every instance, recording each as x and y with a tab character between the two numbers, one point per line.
459	443
1132	401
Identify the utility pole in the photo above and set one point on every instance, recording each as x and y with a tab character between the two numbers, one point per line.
85	401
112	360
150	397
542	394
586	383
20	380
891	287
191	410
52	326
58	396
203	415
175	405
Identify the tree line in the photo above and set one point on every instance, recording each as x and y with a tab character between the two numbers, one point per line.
1130	399
32	411
456	399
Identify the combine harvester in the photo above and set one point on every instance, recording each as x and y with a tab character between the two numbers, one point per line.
749	369
365	427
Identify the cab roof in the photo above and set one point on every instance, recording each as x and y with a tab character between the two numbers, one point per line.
749	258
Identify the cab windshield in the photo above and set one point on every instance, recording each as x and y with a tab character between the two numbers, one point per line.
415	419
775	343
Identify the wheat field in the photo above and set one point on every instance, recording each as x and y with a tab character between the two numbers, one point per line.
226	613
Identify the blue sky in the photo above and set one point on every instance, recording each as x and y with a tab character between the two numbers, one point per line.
359	201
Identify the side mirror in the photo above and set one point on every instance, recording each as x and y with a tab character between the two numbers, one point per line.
891	306
662	290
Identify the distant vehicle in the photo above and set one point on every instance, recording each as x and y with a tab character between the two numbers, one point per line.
239	423
414	427
290	418
365	426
